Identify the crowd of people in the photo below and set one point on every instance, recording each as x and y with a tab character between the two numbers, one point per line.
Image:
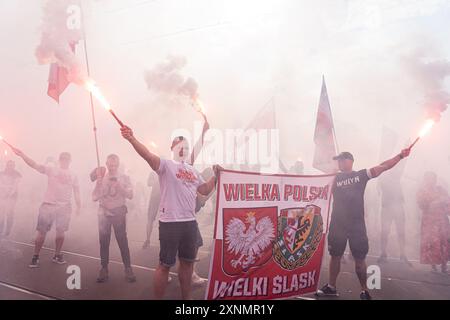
179	192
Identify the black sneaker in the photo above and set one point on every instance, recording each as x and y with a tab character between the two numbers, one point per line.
103	275
327	291
129	275
34	262
58	258
364	295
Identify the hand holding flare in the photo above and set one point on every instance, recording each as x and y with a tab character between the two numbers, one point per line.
14	149
199	107
6	142
95	91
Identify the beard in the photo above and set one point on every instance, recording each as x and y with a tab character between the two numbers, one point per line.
178	157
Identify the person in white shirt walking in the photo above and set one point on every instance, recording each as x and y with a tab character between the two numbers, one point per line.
57	205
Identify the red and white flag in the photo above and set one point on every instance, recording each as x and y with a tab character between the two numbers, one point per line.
264	119
324	140
58	79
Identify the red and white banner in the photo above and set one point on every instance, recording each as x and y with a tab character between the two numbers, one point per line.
269	235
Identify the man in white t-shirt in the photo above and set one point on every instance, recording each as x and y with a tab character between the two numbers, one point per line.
57	205
178	229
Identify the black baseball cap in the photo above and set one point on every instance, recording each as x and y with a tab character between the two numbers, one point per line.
344	155
176	141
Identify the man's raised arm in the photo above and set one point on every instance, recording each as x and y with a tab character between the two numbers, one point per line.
389	164
152	159
30	162
198	146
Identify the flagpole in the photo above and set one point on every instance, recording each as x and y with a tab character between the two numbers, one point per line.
281	165
329	103
91	99
335	139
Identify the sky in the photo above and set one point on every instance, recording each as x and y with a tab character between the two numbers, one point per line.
242	54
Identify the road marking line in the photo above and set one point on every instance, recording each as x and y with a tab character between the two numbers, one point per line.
27	291
89	257
404	280
304	298
202	252
391	258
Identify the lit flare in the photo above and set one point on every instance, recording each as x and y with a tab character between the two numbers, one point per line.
96	92
426	128
424	131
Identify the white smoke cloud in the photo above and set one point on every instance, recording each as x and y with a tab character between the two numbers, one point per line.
57	38
430	75
166	79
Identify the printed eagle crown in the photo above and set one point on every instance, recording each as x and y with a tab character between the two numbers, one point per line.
251	214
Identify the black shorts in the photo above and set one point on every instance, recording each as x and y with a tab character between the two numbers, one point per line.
354	233
199	242
177	238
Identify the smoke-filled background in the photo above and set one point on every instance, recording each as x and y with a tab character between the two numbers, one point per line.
58	39
385	63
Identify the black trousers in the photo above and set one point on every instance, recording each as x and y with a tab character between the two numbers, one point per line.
119	224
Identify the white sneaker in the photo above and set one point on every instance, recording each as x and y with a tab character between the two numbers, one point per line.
197	280
59	259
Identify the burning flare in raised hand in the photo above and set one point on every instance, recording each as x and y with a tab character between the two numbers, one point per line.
5	142
426	127
95	90
14	149
198	105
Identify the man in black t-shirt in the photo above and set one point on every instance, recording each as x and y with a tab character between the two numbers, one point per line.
347	219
